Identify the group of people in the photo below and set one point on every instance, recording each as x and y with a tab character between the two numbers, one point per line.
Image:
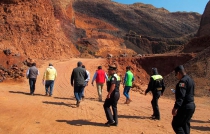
49	77
182	111
184	106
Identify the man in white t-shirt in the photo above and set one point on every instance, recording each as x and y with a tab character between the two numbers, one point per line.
86	81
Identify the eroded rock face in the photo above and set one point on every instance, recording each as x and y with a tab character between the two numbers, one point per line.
204	29
30	27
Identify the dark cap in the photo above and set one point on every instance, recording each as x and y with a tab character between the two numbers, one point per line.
50	64
99	67
154	71
178	68
128	67
79	63
112	67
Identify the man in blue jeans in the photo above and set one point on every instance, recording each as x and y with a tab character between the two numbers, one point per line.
78	77
32	76
128	81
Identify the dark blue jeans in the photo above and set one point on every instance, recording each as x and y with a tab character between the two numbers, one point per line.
49	84
126	91
84	88
78	90
32	82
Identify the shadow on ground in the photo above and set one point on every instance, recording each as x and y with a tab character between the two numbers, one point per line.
81	122
131	116
201	128
60	103
20	92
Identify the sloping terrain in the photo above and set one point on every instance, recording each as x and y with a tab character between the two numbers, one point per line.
30	28
149	29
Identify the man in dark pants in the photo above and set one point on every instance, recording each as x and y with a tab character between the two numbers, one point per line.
32	76
113	96
184	106
157	86
78	78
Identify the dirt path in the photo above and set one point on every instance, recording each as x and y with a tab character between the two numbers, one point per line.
24	114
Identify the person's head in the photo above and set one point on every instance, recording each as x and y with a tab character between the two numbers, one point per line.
99	67
50	64
154	71
128	68
79	64
179	72
112	69
83	66
33	64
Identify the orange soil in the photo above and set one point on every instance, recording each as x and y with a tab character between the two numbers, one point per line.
25	114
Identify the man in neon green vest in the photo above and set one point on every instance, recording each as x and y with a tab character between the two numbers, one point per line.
128	81
157	87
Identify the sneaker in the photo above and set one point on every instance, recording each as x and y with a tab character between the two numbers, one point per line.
108	123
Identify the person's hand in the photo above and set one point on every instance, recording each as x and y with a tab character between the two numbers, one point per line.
174	112
108	96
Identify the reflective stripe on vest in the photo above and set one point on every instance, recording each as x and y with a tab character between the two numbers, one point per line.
118	77
156	77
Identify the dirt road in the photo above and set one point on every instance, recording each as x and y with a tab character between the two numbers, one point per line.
21	113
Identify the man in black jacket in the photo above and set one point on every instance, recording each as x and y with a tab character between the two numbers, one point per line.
184	106
157	87
78	78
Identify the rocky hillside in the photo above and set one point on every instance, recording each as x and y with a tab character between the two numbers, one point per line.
31	28
143	28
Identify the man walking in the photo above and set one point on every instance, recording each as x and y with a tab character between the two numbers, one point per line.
113	85
49	78
32	76
100	77
86	81
128	81
184	106
78	77
157	87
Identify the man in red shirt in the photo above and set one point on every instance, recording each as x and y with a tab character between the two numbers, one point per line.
100	76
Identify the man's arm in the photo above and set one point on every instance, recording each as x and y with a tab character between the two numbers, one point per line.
150	86
27	73
94	77
125	79
180	96
72	78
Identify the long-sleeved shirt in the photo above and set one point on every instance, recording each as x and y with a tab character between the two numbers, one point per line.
50	73
88	75
95	75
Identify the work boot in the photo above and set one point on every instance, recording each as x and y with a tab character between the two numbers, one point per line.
129	100
126	102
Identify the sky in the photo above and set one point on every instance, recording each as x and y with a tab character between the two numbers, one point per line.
173	5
